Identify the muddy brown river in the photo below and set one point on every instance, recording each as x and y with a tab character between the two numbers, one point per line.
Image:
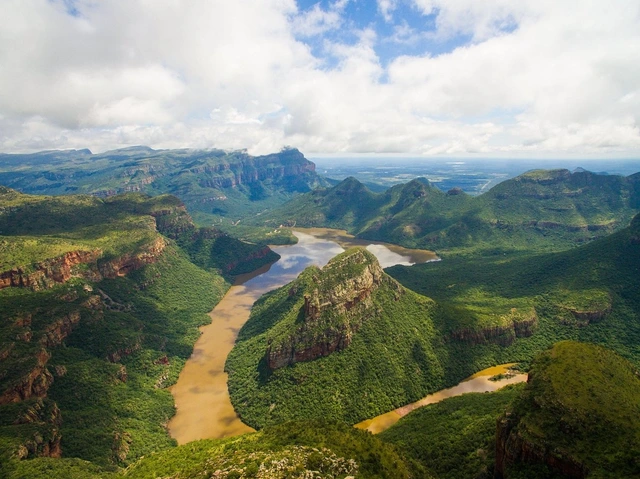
203	406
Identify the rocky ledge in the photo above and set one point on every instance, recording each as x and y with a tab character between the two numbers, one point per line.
515	324
61	269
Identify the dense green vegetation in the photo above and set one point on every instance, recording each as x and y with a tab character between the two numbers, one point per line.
86	360
588	293
542	210
486	312
289	450
392	358
216	185
455	438
581	406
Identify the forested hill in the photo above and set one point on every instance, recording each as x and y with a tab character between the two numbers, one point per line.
210	182
541	210
100	304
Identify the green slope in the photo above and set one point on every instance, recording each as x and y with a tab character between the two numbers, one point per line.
325	346
589	293
577	417
542	210
455	438
291	450
88	349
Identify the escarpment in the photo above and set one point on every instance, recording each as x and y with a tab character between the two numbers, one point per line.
337	301
89	265
47	273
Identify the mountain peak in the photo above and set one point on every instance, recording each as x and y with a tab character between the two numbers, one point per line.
336	301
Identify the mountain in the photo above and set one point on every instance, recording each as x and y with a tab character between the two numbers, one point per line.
100	304
210	182
587	294
577	417
541	210
343	342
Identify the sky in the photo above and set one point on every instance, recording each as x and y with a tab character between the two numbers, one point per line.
432	78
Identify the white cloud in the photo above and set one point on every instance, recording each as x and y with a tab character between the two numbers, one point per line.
386	7
317	21
538	78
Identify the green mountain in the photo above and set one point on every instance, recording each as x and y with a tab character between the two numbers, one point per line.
344	342
212	183
98	313
577	417
305	353
542	210
588	294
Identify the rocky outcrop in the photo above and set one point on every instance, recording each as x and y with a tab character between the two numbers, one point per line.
35	383
285	165
61	269
517	324
57	331
45	441
48	273
333	311
128	262
512	448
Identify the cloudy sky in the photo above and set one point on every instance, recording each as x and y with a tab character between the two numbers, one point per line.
456	78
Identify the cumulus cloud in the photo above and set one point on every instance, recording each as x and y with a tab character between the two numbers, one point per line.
529	77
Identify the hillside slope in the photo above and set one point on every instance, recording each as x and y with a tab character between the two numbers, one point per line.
344	342
542	210
589	293
577	417
98	313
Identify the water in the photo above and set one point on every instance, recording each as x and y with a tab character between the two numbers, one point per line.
478	383
204	409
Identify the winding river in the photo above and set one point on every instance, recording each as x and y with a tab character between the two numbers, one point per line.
203	406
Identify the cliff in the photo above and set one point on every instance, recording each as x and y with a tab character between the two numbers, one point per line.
337	301
577	417
47	273
517	323
89	265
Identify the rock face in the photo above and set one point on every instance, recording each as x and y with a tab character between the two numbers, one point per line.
45	417
518	324
35	383
338	303
49	272
62	268
132	261
512	448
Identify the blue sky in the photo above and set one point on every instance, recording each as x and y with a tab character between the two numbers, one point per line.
420	78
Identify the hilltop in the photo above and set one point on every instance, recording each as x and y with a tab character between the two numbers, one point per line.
344	342
541	210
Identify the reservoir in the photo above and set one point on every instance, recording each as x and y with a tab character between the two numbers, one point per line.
203	406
